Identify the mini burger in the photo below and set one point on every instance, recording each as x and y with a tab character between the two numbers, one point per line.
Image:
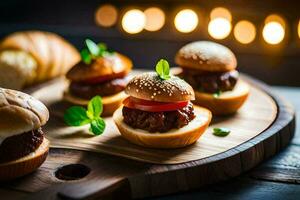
211	70
159	113
23	147
100	72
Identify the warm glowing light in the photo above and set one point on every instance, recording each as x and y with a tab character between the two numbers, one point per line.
133	21
244	32
275	18
106	15
299	29
220	12
219	28
155	19
273	32
186	21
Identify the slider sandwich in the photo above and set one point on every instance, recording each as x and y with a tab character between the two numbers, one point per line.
100	72
159	113
210	68
23	147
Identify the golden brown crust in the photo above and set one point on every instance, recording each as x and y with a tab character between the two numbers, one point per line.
227	103
110	103
206	56
25	165
149	86
54	55
20	112
174	138
102	66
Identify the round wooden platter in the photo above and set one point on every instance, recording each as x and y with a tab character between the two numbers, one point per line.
151	172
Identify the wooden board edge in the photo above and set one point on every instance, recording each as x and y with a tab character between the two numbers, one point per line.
194	174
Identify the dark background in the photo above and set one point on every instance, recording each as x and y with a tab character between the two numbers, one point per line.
74	20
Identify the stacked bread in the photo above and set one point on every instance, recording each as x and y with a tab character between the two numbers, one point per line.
30	57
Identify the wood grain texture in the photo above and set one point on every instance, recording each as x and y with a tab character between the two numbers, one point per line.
257	114
137	179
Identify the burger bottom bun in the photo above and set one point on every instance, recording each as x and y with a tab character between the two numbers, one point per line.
227	103
25	165
110	103
174	138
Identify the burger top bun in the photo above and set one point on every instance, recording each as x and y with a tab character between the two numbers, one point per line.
19	113
149	86
206	56
113	64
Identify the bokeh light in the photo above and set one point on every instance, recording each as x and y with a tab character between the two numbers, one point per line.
274	29
186	21
299	28
220	12
219	28
133	21
273	32
155	19
106	15
275	18
244	32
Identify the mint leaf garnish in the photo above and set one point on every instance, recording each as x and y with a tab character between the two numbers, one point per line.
78	116
92	47
85	56
95	107
97	126
221	132
102	46
163	69
217	94
93	51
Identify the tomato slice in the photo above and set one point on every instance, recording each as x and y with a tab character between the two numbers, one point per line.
101	79
152	106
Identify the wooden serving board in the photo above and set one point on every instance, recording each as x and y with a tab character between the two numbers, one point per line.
263	126
256	115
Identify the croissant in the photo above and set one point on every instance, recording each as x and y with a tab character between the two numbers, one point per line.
30	57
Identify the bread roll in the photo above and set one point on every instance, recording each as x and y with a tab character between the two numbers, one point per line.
110	103
227	103
149	86
112	65
19	113
206	56
174	138
34	56
25	165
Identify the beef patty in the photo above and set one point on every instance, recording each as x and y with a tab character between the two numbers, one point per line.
158	121
88	91
211	82
18	146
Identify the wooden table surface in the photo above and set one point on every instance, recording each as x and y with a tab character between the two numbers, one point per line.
277	178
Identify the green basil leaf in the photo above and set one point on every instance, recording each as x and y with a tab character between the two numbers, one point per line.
95	107
102	46
163	69
97	126
85	56
76	116
166	68
92	47
221	132
217	94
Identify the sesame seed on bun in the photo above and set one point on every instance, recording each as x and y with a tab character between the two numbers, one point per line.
206	56
149	86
